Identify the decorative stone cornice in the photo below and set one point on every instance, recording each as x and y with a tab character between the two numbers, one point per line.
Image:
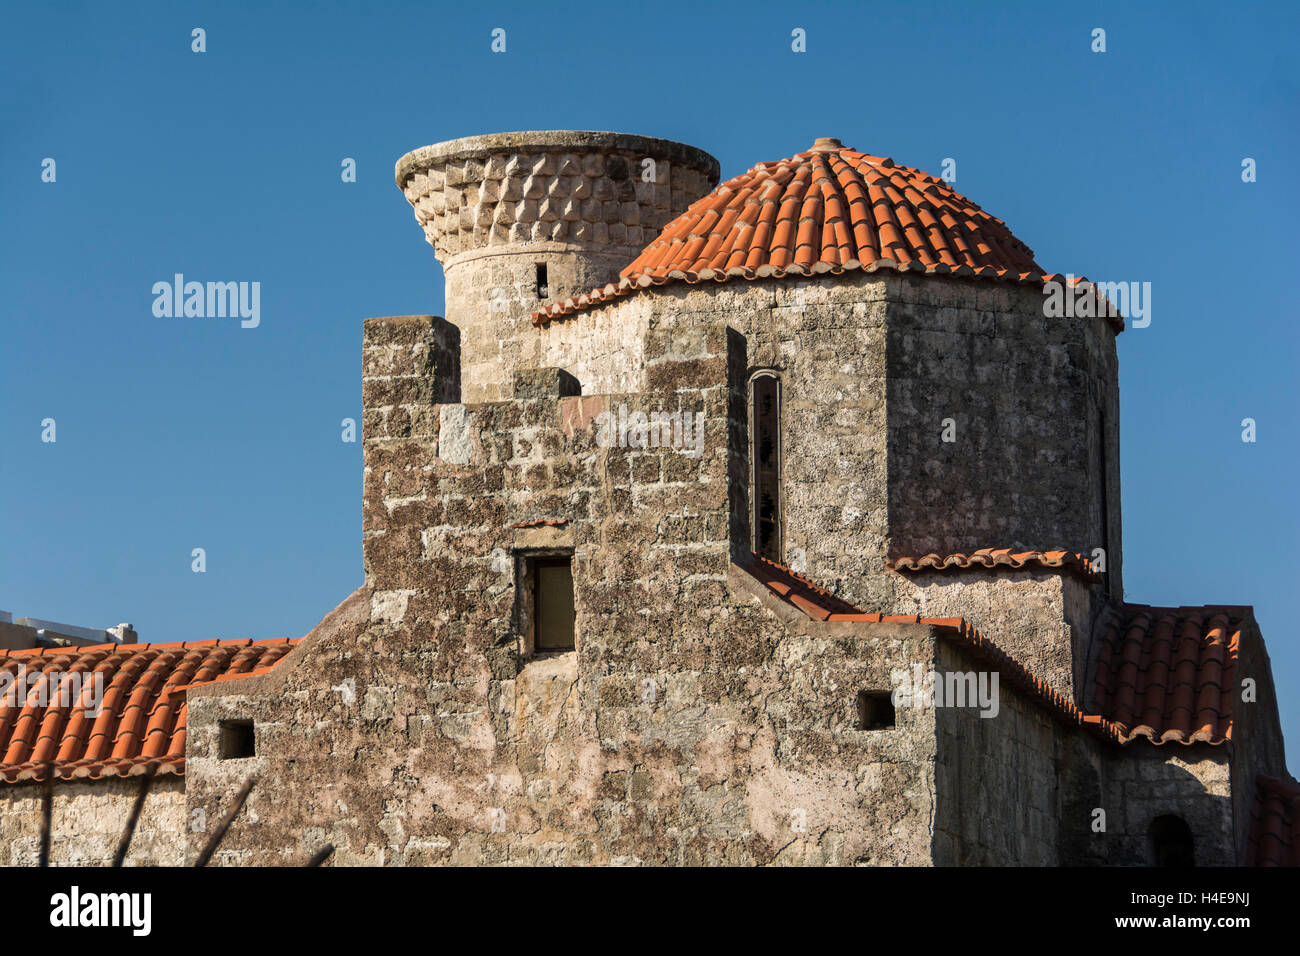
590	190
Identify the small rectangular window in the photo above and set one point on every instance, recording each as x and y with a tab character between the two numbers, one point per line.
236	740
553	611
543	287
875	710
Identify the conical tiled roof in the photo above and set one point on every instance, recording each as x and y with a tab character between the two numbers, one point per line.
831	209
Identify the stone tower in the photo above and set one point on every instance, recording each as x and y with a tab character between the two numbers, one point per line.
520	220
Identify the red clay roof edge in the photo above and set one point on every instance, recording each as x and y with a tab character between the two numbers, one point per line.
626	286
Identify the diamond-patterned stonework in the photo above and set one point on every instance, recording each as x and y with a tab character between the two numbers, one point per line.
591	189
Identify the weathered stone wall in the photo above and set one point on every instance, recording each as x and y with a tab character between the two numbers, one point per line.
1025	788
1141	782
826	339
16	636
698	721
1041	617
1257	746
866	473
412	366
576	761
606	355
1022	392
998	797
87	820
868	365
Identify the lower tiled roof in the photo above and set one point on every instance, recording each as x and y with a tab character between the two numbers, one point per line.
1275	823
1167	673
141	716
821	604
997	557
1163	674
793	588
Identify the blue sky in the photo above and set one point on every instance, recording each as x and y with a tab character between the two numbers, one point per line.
182	433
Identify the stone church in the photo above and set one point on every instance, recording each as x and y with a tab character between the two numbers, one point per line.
767	522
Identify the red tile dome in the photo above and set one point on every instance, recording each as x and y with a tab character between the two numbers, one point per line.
831	209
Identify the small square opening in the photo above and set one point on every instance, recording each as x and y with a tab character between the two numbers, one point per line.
236	740
543	287
875	710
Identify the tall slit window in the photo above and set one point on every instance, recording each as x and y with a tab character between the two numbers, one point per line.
1104	467
765	458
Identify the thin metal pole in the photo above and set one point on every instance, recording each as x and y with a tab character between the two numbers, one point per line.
47	813
124	844
321	855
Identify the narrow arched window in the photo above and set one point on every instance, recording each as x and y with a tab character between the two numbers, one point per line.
1171	841
765	463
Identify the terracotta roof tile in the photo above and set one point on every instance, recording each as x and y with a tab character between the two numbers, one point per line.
831	209
141	717
998	557
1275	823
794	588
542	523
1167	674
